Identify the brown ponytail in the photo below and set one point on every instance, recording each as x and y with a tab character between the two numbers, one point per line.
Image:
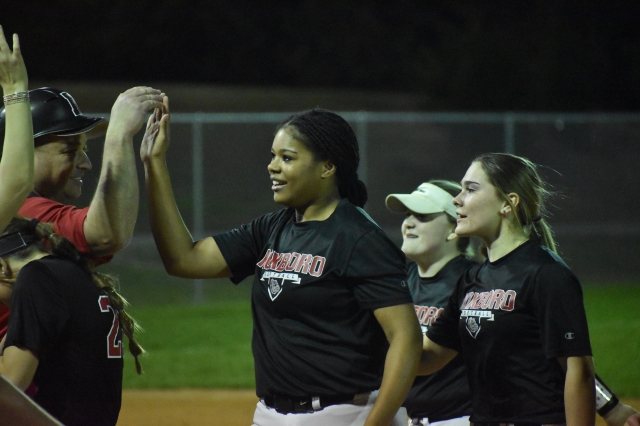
59	246
509	173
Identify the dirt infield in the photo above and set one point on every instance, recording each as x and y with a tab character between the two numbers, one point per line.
196	407
187	407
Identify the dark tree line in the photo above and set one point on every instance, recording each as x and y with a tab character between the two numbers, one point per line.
464	55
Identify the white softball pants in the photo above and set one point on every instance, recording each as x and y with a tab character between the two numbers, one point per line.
333	415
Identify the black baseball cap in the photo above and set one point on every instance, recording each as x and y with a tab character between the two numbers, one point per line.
56	112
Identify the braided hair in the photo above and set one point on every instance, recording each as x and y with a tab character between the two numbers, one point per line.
39	236
329	137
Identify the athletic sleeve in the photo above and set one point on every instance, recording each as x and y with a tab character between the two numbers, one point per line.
242	246
39	310
379	269
561	314
4	319
67	221
444	331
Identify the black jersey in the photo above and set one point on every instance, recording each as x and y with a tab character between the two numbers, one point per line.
315	288
59	314
511	319
444	395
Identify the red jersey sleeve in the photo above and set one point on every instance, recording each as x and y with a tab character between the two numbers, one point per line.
4	319
68	221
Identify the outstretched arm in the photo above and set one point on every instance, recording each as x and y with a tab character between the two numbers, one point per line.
180	255
401	327
114	209
16	165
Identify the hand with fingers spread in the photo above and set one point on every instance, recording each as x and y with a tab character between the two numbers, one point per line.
156	138
130	109
16	132
13	73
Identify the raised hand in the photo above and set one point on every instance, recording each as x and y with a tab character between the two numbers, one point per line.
130	109
13	73
156	137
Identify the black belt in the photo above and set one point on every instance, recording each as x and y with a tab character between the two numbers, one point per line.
515	424
285	405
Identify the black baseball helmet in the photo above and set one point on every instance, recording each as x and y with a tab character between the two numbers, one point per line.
56	112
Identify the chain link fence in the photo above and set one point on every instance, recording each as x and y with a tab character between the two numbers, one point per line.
218	164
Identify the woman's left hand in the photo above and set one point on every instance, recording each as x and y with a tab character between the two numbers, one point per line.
155	141
13	72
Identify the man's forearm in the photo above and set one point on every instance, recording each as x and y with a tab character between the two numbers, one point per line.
114	209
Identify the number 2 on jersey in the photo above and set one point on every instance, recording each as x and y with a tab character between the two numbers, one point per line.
114	344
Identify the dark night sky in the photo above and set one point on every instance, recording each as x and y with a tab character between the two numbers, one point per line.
460	55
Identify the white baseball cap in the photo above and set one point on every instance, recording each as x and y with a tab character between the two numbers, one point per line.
427	199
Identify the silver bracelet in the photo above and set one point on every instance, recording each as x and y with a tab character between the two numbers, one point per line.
16	98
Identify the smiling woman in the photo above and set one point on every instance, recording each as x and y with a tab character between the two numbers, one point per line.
438	262
299	180
329	290
518	318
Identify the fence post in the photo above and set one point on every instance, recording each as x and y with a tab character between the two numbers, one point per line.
362	120
509	133
198	203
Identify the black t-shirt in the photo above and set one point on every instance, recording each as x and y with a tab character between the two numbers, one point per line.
444	395
511	319
316	286
59	314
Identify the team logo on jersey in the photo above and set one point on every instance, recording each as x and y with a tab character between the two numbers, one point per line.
276	280
473	319
274	288
478	306
280	268
427	315
472	327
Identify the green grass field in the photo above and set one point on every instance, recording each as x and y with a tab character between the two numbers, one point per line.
614	326
209	345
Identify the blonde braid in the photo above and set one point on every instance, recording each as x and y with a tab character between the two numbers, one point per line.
60	246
